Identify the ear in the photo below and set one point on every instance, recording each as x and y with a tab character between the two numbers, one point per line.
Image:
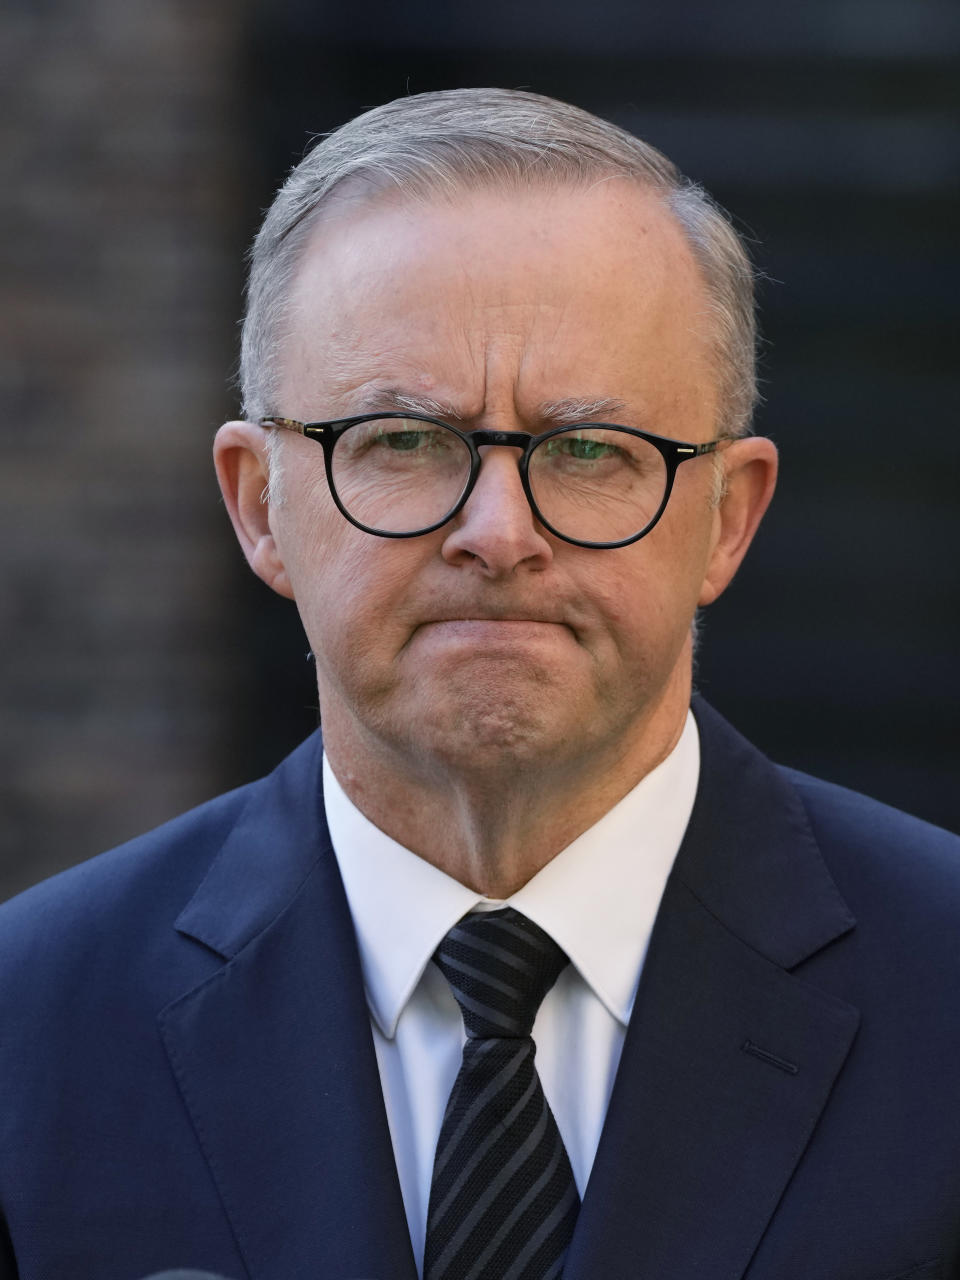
750	469
240	456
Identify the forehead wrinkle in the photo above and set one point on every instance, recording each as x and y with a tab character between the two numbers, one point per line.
563	412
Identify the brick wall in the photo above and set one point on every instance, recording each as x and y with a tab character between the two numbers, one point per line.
121	291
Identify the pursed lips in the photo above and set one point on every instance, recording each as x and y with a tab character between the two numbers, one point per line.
503	618
491	626
468	613
495	617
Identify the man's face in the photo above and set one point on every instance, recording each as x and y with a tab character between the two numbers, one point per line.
490	644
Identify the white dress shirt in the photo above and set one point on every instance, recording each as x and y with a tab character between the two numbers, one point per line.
597	899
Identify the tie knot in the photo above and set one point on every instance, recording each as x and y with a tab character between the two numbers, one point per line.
499	965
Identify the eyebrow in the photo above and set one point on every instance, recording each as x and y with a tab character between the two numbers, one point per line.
572	410
421	404
564	412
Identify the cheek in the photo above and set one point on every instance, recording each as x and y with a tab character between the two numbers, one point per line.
316	542
352	590
334	587
648	601
319	560
684	542
640	620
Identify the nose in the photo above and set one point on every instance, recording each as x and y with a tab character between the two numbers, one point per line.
496	530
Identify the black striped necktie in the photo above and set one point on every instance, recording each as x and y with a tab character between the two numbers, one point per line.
503	1201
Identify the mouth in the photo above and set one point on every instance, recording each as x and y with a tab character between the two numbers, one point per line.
492	632
446	619
532	612
495	619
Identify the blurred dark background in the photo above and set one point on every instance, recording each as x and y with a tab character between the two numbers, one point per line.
145	669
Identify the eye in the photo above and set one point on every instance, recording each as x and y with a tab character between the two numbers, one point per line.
393	436
404	441
581	449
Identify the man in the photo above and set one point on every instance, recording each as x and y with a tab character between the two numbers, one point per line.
498	377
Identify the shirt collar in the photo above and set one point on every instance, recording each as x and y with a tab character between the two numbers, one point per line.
597	898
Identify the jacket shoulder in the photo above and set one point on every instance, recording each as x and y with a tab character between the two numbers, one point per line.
881	855
116	918
143	882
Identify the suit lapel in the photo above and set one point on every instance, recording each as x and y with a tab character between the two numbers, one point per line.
730	1057
273	1054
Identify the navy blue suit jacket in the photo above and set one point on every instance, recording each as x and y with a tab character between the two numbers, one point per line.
187	1076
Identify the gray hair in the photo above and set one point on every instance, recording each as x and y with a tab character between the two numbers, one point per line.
435	145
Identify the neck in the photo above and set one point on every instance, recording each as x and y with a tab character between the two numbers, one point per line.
493	828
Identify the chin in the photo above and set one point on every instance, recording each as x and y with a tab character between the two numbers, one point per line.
483	736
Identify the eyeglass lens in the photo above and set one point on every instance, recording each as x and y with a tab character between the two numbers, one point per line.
595	484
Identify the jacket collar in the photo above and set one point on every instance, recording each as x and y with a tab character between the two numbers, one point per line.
730	1057
274	1058
273	1053
278	839
750	856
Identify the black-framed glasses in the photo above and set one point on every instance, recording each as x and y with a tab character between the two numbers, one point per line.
595	484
